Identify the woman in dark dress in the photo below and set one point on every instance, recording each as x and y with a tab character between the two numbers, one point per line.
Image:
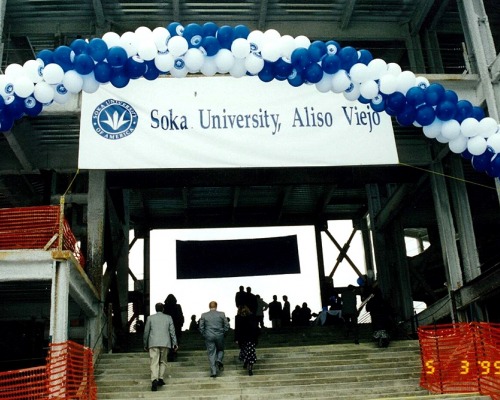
246	334
172	308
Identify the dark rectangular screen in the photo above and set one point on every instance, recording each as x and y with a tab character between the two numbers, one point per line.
241	257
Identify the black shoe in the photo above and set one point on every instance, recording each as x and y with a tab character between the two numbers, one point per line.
220	366
213	376
356	341
161	382
250	372
154	386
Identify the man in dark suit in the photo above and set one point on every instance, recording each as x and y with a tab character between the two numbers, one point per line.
159	337
213	328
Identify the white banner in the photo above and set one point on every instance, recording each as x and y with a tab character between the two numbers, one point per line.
226	122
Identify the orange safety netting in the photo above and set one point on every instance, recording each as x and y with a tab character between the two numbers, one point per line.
69	374
461	358
37	228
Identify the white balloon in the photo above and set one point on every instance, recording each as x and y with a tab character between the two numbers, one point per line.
340	81
487	127
224	60
111	39
255	38
325	84
405	81
240	48
209	68
458	145
238	69
147	51
179	70
494	142
359	73
61	94
377	67
254	63
177	45
14	70
271	51
272	35
53	74
130	42
144	33
23	86
476	145
194	59
73	81
393	69
161	36
33	69
90	85
451	129
352	92
369	89
433	130
43	92
441	139
302	41
422	82
287	45
388	84
469	127
164	62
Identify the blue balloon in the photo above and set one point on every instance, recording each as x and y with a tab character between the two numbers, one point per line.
364	56
119	78
300	58
378	103
225	36
407	116
241	32
117	56
330	63
6	121
295	79
425	115
79	46
313	73
15	108
494	167
364	100
450	95
135	67
46	55
348	57
98	49
32	107
360	281
434	93
151	71
478	113
396	101
102	72
84	64
446	110
464	110
63	55
482	162
209	29
210	45
332	47
415	96
266	74
2	103
317	50
175	29
282	69
466	154
193	33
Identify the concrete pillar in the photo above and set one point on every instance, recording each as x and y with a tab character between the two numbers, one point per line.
323	287
59	300
147	274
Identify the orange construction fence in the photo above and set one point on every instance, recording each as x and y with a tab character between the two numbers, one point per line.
461	358
37	228
68	374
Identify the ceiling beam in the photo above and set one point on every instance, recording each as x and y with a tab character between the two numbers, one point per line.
261	24
420	15
100	19
345	20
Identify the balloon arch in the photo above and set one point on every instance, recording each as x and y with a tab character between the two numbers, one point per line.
57	75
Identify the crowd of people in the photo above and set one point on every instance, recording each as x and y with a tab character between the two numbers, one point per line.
163	330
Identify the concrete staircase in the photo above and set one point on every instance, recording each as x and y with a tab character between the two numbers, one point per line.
310	363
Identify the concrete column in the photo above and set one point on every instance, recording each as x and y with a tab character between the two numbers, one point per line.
59	307
321	266
95	227
147	274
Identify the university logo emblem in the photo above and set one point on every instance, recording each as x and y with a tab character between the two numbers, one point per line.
114	119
